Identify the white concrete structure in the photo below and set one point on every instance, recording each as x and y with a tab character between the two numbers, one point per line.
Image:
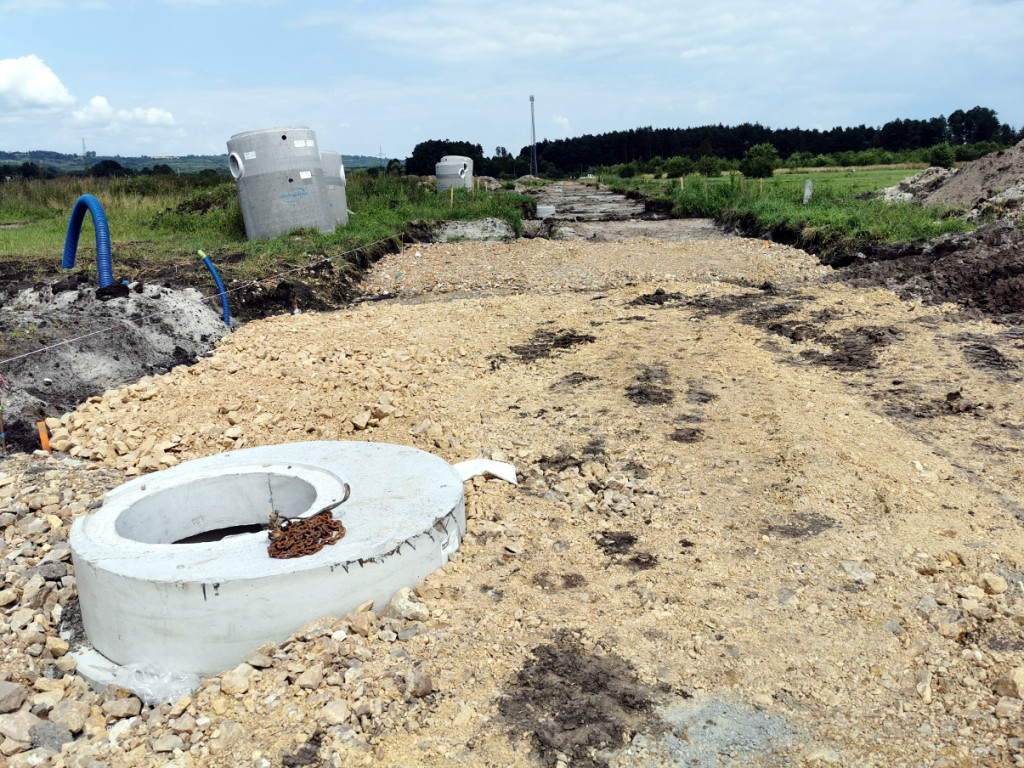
335	185
454	171
201	607
280	181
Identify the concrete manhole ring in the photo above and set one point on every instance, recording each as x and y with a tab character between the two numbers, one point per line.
197	606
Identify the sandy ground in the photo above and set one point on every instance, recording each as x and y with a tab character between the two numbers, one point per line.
762	519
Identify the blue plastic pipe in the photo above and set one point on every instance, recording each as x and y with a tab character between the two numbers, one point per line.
99	220
220	288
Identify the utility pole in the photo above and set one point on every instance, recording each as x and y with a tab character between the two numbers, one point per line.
533	140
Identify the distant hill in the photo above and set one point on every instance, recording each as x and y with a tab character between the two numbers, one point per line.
59	163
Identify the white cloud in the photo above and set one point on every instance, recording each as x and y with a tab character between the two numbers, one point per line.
27	81
563	123
99	111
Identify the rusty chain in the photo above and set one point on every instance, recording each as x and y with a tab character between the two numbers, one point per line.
304	536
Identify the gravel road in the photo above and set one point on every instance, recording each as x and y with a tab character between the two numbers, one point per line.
763	518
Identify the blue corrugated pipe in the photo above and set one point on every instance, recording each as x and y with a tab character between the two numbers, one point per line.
220	287
99	220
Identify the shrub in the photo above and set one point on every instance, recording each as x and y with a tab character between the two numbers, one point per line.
760	161
942	155
678	166
709	165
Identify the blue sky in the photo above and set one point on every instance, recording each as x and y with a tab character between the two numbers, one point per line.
175	77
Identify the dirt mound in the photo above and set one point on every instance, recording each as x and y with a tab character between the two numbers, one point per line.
981	180
917	186
68	341
982	271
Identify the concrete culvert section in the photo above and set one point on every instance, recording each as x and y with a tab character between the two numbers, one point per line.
165	578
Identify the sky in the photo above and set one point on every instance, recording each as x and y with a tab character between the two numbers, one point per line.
167	78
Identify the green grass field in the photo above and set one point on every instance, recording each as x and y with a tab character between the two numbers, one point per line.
157	223
843	213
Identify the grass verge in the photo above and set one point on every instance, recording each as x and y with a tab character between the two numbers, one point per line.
157	223
843	215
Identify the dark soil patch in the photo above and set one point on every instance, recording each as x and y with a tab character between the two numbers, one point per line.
71	627
1001	636
567	701
982	271
687	435
761	316
647	390
804	524
497	595
574	379
648	394
794	331
308	754
698	395
854	349
984	356
546	580
543	343
642	561
908	404
565	457
616	542
718	306
659	298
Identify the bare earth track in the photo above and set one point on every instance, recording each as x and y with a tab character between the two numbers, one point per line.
764	518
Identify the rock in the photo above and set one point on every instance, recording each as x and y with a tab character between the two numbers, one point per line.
50	735
12	696
17	726
336	712
787	597
1015	681
32	758
1009	708
362	623
408	607
237	680
52	571
948	622
894	627
167	743
121	708
57	646
858	572
971	592
418	683
993	584
924	686
824	756
34	592
926	606
311	679
976	609
71	714
258	660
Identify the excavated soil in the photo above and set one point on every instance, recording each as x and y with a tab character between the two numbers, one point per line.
764	517
981	179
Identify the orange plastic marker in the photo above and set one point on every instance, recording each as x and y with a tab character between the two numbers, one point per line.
44	438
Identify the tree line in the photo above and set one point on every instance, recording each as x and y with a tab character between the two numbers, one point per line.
970	133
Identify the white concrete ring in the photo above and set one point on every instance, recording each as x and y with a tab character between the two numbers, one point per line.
201	607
